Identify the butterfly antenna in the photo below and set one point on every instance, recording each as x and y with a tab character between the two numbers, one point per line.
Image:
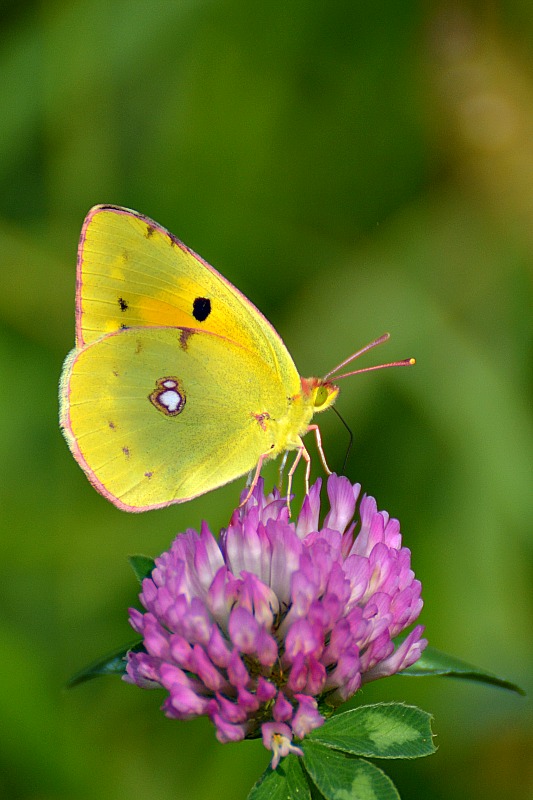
406	362
350	434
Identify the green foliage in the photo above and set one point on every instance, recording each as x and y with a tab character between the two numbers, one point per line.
433	662
339	777
112	664
382	731
142	566
286	782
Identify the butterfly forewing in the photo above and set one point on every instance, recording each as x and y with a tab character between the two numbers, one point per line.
132	272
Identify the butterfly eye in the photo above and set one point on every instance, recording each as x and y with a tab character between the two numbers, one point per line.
325	395
320	397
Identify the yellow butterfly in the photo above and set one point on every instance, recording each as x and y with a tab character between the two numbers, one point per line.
177	383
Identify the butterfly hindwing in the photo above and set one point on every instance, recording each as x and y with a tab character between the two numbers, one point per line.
161	415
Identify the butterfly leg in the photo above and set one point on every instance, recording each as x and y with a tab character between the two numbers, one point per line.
282	468
251	486
318	438
302	453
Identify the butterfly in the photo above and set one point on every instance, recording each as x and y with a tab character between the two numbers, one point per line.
177	383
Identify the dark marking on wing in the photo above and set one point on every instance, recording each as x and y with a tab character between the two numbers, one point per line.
148	475
123	304
201	308
261	419
168	396
123	326
174	241
150	230
185	335
112	425
126	451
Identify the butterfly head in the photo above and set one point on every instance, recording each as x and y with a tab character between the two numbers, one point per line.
320	392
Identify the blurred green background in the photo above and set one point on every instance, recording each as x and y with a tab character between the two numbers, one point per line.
353	168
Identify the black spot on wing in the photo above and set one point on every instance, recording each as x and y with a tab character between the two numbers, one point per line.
150	230
201	308
123	304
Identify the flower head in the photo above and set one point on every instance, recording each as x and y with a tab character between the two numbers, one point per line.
257	629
